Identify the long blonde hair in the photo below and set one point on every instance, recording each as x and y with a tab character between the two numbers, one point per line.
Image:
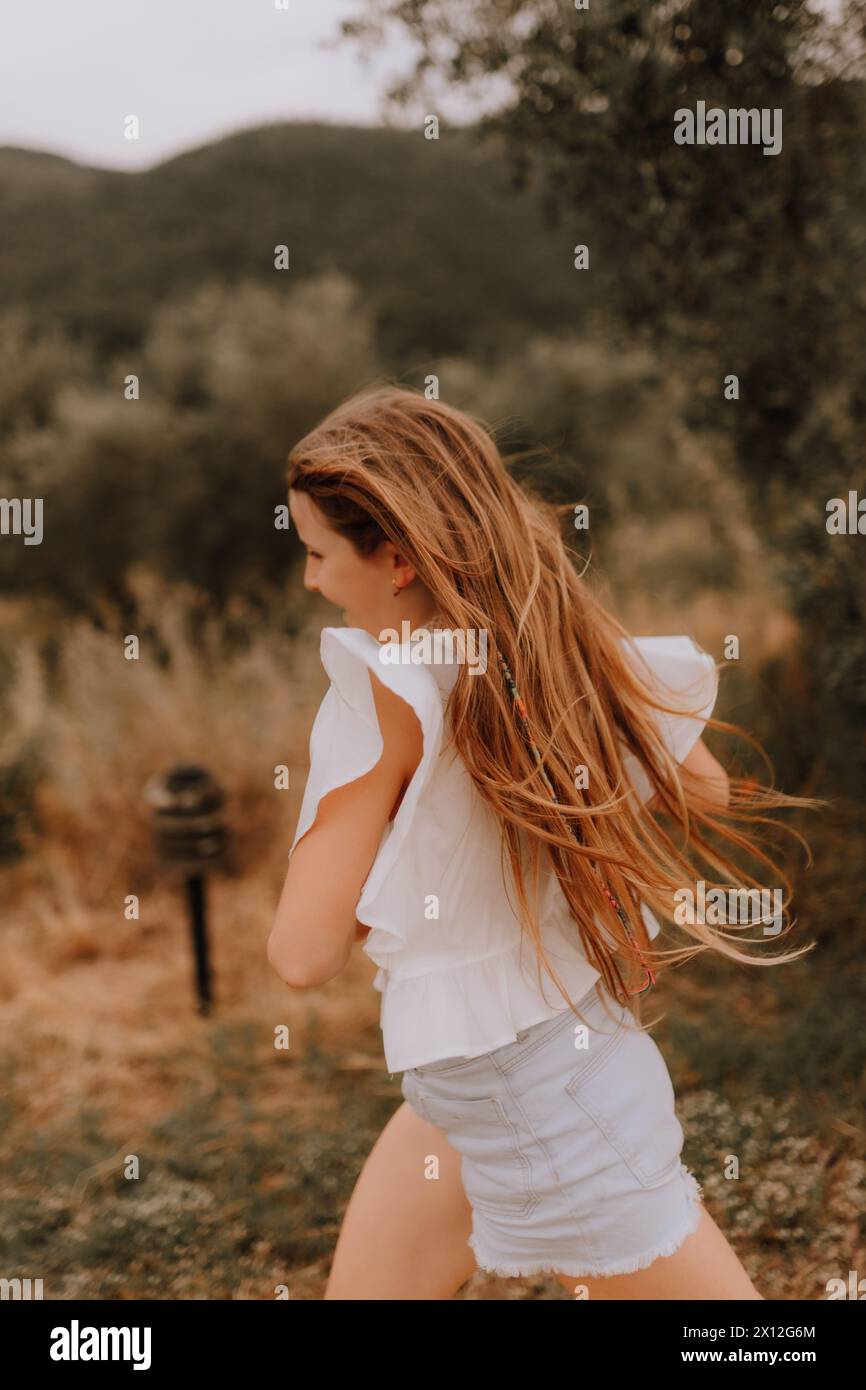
390	464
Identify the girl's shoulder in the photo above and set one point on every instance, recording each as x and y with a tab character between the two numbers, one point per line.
682	676
346	740
678	670
350	654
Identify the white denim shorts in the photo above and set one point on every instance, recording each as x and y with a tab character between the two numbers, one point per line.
570	1145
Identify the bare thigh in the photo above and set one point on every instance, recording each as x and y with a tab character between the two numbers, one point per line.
404	1235
705	1266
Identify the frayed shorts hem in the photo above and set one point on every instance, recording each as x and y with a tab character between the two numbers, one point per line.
628	1265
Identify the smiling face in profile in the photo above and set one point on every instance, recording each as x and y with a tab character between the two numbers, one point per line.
362	586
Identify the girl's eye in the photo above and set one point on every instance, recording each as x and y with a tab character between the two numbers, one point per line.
314	554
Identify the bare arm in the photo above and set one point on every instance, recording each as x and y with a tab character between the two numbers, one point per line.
704	779
315	924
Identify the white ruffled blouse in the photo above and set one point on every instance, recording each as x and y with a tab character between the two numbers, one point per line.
453	979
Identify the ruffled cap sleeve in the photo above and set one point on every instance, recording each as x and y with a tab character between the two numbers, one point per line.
682	676
346	742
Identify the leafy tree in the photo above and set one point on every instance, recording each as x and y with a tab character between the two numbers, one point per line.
723	259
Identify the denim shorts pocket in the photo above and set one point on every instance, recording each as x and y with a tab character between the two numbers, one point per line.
447	1065
630	1098
496	1173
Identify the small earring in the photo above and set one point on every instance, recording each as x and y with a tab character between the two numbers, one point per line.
397	589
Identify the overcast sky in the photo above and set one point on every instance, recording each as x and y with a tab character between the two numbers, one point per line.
191	70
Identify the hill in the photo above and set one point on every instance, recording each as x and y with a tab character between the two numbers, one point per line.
455	261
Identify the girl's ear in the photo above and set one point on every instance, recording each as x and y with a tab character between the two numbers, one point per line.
401	570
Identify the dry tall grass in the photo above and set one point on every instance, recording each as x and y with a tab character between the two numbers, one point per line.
248	1154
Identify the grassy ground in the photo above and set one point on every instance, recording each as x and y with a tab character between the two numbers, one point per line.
149	1152
247	1154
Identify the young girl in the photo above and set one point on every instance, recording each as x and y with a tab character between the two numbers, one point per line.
486	771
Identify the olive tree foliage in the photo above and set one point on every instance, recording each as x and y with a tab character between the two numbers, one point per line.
726	261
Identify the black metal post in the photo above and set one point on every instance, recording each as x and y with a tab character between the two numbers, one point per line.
198	910
190	836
